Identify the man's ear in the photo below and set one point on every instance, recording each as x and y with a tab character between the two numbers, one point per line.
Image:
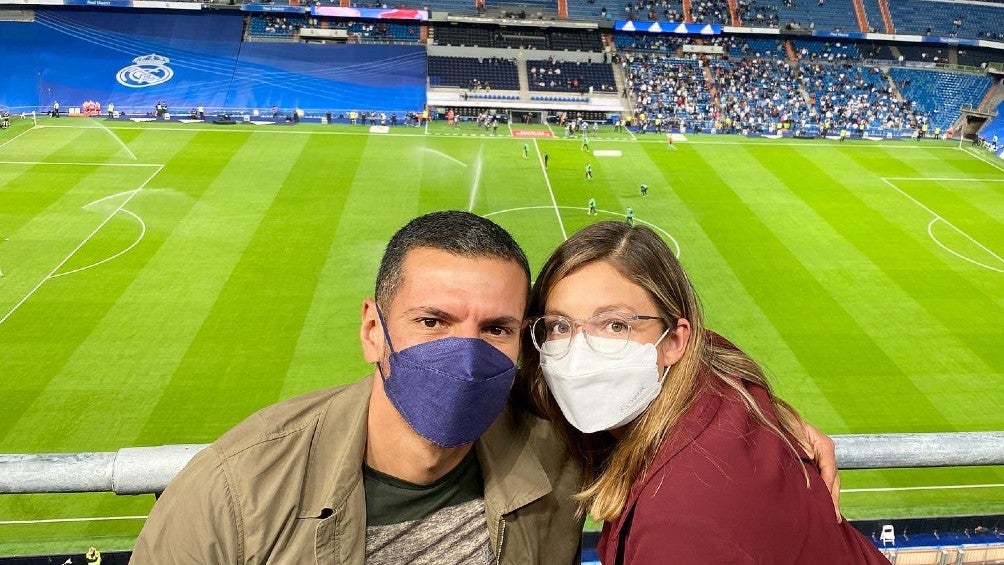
371	332
674	345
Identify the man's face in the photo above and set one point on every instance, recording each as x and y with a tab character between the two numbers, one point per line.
445	295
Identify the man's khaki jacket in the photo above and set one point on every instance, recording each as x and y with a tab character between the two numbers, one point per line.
286	486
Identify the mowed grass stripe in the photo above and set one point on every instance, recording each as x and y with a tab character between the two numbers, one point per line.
952	201
379	180
247	339
60	313
904	253
803	311
908	327
63	314
729	309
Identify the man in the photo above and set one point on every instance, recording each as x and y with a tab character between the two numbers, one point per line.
629	217
526	150
589	171
546	157
592	207
585	141
421	461
644	190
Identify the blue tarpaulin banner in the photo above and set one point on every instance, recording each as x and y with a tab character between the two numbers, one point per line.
189	59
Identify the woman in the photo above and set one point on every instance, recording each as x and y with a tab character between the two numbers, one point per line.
688	457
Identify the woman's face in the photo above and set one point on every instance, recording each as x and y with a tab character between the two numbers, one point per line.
599	288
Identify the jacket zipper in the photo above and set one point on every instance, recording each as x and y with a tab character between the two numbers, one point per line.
498	553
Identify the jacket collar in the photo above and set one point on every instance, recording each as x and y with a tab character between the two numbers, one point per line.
337	451
513	475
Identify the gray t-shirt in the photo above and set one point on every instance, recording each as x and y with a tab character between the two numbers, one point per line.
442	523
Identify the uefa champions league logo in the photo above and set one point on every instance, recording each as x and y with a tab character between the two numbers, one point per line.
146	70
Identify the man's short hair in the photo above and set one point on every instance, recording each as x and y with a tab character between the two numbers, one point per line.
461	233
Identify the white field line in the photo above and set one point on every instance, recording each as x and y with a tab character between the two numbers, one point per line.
76	164
548	126
975	153
932	487
547	181
946	222
142	233
81	244
959	255
62	520
122	143
946	179
17	136
676	243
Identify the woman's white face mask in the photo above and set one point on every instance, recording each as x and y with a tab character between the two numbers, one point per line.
602	392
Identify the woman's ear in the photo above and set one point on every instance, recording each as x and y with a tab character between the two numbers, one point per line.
675	343
371	332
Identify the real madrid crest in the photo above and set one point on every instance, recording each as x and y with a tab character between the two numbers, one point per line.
146	70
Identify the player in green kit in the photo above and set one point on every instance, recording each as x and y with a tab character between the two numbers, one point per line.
589	171
592	207
526	150
629	217
644	189
585	142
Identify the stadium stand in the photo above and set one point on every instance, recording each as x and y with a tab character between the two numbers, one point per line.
492	73
940	94
518	38
710	12
668	88
567	76
833	15
873	13
758	13
994	129
979	57
662	10
757	48
755	95
956	19
848	96
269	27
924	53
650	42
826	50
278	28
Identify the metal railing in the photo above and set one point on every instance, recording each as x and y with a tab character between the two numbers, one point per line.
139	470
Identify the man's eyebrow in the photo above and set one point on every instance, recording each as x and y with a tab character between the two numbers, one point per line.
431	312
503	321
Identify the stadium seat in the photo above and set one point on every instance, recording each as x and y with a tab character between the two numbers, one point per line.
888	535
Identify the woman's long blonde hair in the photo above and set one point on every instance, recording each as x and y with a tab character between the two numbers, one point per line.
611	467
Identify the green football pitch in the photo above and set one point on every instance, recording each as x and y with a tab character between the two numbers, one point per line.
160	282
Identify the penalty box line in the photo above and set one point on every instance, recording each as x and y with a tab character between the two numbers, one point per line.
82	243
